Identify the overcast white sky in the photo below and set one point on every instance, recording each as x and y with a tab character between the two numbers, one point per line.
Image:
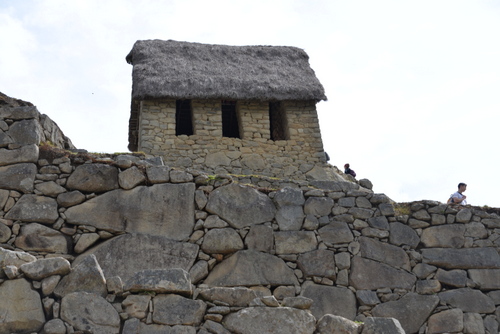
413	86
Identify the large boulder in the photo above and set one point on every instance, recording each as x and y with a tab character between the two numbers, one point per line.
447	236
468	300
462	258
270	320
370	275
248	268
21	309
384	252
330	300
248	206
162	209
93	178
40	238
28	153
19	177
89	312
33	208
126	254
412	310
177	310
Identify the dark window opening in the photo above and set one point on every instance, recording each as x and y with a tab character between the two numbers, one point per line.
277	121
183	118
230	124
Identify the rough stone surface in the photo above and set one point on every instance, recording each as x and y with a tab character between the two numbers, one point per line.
336	232
403	235
90	312
319	262
448	236
375	325
265	320
161	209
20	307
412	310
175	280
248	206
86	276
239	296
334	324
449	321
469	258
260	238
24	154
93	178
384	252
176	310
42	268
369	274
293	242
468	300
487	279
222	241
32	208
36	237
330	300
248	267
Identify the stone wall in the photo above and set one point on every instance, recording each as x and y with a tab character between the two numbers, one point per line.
253	153
124	244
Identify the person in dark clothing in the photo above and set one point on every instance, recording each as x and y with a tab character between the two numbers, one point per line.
349	171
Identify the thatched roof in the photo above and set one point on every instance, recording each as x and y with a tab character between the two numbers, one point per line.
182	70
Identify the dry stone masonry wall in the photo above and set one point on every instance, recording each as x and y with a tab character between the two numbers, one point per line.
253	153
124	244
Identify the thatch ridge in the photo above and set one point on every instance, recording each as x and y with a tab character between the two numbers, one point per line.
183	70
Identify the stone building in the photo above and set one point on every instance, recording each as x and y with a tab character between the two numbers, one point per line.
226	109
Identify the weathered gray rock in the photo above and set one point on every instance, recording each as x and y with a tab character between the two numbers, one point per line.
294	242
428	287
32	208
238	296
330	300
4	196
177	310
40	238
448	321
487	279
136	305
379	222
248	206
86	276
5	233
24	154
334	324
50	188
476	230
448	236
469	258
131	178
135	326
248	268
384	252
270	320
403	235
464	215
54	326
14	258
473	323
20	307
162	209
412	310
90	312
85	241
468	300
260	238
289	196
158	174
126	254
49	284
491	324
290	217
456	278
375	325
367	297
42	268
253	161
26	132
5	140
19	112
70	198
368	274
318	206
198	271
174	280
93	178
319	262
221	241
336	233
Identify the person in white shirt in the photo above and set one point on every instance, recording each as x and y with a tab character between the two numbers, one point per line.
458	197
